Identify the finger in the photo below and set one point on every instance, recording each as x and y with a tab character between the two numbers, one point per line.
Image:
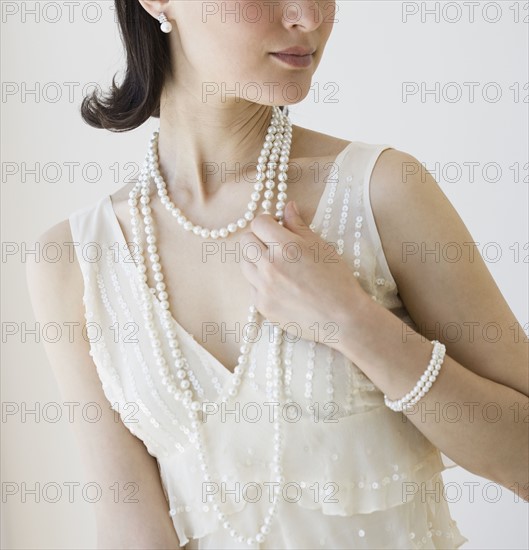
251	272
267	229
253	249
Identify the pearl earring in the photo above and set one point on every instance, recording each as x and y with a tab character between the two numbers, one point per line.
165	25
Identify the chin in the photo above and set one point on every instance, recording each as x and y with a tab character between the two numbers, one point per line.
278	90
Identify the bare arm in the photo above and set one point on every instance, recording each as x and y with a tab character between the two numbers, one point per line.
484	378
111	454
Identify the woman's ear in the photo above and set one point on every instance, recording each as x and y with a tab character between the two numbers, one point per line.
156	7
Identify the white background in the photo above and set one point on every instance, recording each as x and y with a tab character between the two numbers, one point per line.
371	53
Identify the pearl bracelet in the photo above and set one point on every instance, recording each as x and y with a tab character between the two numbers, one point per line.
424	383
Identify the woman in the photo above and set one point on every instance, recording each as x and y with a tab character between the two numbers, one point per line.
307	421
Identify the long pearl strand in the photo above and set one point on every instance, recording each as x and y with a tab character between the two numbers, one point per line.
277	147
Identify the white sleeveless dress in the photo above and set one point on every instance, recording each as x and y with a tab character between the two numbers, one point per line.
358	474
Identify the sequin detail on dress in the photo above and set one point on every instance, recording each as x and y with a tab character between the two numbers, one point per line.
360	475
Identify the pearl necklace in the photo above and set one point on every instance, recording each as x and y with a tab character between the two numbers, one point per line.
276	147
273	157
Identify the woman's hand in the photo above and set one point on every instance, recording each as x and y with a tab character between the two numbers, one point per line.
298	280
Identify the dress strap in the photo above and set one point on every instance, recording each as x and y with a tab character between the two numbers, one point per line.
90	234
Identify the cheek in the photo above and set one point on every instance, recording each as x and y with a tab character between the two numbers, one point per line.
235	51
215	32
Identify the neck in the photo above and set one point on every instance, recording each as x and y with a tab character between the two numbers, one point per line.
202	146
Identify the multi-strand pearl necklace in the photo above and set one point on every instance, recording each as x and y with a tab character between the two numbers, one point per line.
276	148
277	154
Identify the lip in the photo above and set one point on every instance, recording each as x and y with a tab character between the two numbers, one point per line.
297	56
297	50
294	60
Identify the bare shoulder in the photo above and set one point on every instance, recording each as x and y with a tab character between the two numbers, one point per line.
393	163
400	184
312	144
58	275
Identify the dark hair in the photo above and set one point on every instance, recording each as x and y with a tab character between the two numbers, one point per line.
137	99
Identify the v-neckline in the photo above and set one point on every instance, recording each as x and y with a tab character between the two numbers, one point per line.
133	266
